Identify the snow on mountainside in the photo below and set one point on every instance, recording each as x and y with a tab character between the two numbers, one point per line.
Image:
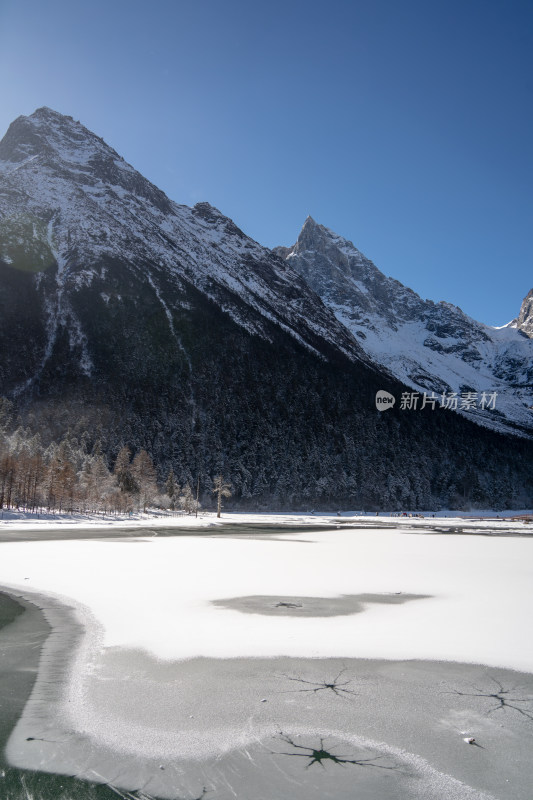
68	199
432	347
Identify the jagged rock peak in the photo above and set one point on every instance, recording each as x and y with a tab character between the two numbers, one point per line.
426	345
315	236
50	114
525	318
312	226
57	144
47	131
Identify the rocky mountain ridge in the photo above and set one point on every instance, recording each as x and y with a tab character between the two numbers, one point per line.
80	201
431	347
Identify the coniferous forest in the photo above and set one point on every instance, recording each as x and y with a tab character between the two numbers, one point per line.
288	429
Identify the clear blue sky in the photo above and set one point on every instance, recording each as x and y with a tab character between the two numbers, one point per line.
404	125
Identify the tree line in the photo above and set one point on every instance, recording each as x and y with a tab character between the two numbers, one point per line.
67	476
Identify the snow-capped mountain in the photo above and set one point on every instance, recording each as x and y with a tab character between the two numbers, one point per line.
432	347
127	319
69	199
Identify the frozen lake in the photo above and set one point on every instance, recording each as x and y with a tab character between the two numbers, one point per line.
305	663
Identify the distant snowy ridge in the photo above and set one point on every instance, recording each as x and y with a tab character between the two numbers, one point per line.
432	347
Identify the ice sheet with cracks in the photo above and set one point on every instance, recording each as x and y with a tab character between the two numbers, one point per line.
155	596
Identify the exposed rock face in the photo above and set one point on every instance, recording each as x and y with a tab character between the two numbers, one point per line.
525	318
429	346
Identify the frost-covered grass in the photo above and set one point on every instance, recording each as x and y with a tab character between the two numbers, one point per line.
17	784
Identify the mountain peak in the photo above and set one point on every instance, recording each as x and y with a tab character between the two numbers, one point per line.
311	224
311	234
53	144
71	205
45	112
319	238
525	318
50	120
426	345
47	133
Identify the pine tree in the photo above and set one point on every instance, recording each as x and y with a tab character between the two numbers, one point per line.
123	473
187	501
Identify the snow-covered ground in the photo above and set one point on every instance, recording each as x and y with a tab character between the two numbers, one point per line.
156	593
22	520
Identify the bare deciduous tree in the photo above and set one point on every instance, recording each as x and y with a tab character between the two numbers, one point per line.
145	477
172	488
221	489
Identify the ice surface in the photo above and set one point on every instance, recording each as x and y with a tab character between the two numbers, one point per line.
157	594
156	675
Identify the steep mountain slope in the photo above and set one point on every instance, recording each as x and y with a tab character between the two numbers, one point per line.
432	347
128	319
69	199
524	322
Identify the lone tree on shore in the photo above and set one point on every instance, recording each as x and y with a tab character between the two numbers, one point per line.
173	490
221	489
